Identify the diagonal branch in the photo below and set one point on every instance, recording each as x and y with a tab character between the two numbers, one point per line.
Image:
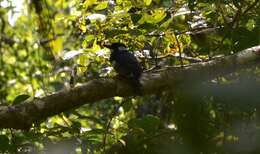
23	115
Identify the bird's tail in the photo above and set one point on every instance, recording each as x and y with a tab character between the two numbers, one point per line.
135	82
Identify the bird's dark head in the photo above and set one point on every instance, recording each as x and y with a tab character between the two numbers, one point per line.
116	47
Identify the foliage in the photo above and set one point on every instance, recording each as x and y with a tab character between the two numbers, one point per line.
56	44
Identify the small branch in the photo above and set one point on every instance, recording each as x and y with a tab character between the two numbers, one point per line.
179	49
191	59
7	40
47	40
250	7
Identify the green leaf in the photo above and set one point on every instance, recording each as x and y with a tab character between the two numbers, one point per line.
147	2
89	38
147	27
101	6
76	125
135	32
127	106
20	98
250	24
135	18
149	123
95	132
167	3
166	23
89	3
4	142
156	16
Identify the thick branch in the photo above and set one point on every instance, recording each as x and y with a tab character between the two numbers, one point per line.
23	115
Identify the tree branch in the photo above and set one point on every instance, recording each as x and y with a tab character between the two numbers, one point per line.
22	116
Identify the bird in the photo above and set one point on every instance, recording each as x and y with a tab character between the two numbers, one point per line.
126	64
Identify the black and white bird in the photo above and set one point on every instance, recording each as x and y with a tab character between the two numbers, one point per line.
125	64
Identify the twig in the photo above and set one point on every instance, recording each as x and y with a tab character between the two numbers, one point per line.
179	49
108	124
250	7
192	59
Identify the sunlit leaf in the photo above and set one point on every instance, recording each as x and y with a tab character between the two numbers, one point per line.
89	3
95	17
89	38
147	2
251	24
101	6
71	54
56	46
156	16
83	61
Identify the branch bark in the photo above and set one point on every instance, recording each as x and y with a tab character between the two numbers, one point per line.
22	116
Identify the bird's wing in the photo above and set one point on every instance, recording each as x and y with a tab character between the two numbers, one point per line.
130	63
